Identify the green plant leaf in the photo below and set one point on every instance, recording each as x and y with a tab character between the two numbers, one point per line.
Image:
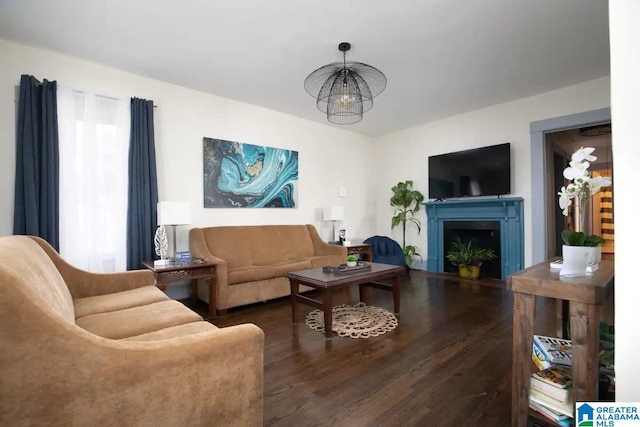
408	251
466	253
417	223
578	238
593	240
407	201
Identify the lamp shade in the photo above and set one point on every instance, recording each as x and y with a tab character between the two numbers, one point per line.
333	213
174	213
345	90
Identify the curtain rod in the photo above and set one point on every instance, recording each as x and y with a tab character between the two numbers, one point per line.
15	101
17	88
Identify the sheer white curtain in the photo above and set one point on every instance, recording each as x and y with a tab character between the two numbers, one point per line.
94	145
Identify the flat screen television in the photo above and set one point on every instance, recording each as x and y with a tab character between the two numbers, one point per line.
484	171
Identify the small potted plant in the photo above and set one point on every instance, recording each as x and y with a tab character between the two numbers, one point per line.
352	261
468	258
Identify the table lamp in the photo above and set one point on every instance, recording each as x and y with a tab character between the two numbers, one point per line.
173	214
333	214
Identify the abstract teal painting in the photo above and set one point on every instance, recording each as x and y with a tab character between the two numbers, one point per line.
239	175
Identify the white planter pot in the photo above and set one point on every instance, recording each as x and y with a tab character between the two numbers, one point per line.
595	254
352	263
576	258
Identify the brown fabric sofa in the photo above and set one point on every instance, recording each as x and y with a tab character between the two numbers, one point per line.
251	260
112	349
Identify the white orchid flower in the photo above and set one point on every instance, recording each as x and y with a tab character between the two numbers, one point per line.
581	185
572	190
583	154
597	182
564	200
576	170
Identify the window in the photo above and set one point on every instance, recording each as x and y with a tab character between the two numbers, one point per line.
94	148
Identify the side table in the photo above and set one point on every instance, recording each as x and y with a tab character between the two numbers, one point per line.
587	296
363	249
168	274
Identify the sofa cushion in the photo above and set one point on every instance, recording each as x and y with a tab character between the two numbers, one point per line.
258	244
134	321
288	266
174	332
118	301
250	274
229	243
275	243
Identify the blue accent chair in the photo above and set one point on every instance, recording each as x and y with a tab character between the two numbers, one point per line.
386	250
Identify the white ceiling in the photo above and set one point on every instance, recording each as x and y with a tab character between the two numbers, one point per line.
441	57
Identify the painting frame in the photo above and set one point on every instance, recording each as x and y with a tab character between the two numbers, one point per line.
242	175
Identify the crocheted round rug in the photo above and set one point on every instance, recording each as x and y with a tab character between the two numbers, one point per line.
355	321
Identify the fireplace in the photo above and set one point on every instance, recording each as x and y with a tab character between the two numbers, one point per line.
484	234
495	223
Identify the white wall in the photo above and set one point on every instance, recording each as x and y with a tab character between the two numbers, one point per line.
624	16
329	157
403	155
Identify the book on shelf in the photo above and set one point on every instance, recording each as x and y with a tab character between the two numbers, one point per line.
558	393
555	376
548	421
556	351
550	351
539	358
564	408
549	413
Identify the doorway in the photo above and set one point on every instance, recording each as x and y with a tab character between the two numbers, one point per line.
543	196
559	147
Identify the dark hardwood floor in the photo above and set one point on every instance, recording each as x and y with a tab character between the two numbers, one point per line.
448	363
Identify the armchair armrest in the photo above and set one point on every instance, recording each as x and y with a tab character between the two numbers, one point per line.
213	376
320	247
83	283
199	249
203	379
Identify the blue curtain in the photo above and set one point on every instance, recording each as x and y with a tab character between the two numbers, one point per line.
143	186
36	202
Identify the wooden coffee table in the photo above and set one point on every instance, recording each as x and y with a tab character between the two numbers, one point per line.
328	283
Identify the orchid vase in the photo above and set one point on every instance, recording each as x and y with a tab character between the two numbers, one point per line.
580	249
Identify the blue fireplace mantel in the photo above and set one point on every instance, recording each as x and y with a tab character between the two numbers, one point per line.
507	210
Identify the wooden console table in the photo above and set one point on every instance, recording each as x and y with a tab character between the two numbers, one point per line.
167	274
586	296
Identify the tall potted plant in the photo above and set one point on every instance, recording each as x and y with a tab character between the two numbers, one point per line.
407	201
580	249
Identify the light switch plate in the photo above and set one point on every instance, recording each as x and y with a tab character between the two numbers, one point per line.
342	192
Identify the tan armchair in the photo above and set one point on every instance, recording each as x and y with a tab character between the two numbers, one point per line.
111	349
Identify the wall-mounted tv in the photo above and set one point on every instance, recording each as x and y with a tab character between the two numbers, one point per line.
484	171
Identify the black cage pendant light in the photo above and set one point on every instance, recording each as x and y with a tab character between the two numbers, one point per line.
345	90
